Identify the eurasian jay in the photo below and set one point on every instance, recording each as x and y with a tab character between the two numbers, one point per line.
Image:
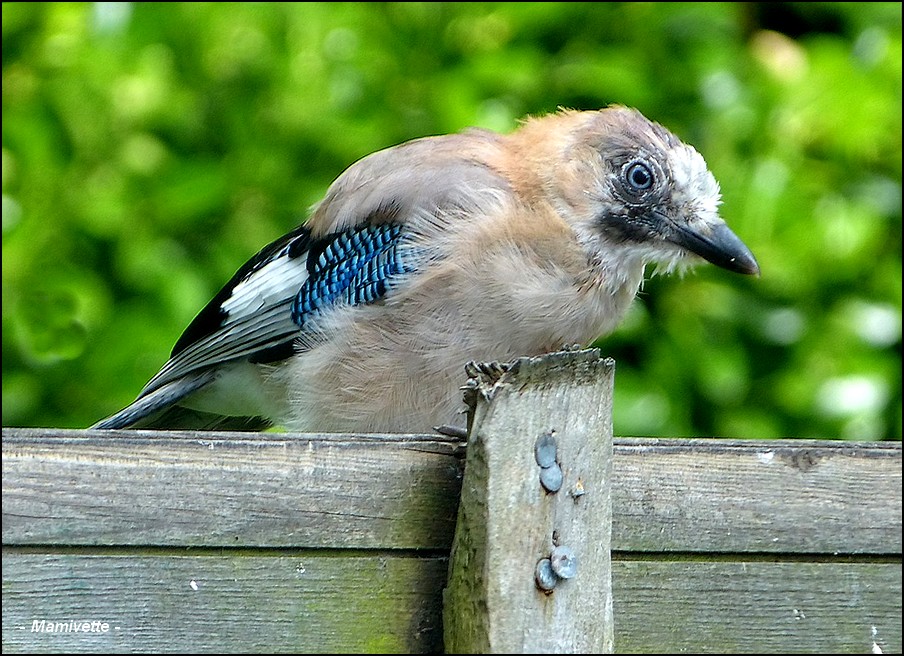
442	250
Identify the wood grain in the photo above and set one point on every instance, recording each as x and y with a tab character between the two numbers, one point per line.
782	496
329	602
719	545
284	490
229	602
250	490
508	522
755	607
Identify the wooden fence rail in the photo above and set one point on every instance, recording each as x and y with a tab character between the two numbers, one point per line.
232	542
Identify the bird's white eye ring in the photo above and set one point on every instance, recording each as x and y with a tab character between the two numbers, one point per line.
638	176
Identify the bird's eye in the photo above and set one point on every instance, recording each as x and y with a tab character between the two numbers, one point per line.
639	176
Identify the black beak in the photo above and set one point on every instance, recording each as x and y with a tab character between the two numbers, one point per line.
720	246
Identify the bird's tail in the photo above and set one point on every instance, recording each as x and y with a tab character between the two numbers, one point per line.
160	409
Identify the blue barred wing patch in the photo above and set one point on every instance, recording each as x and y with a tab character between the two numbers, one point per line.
353	266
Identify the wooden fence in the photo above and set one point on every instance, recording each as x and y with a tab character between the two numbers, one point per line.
234	542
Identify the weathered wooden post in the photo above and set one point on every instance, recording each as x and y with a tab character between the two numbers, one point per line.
530	564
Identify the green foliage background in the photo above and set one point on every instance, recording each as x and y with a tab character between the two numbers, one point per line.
150	149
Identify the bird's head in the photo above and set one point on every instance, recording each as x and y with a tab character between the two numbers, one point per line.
635	192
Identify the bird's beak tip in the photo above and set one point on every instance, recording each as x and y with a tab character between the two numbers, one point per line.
747	266
721	247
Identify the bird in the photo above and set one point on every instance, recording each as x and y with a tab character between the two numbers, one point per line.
443	250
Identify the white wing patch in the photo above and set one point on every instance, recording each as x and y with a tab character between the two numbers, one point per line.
277	281
258	315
